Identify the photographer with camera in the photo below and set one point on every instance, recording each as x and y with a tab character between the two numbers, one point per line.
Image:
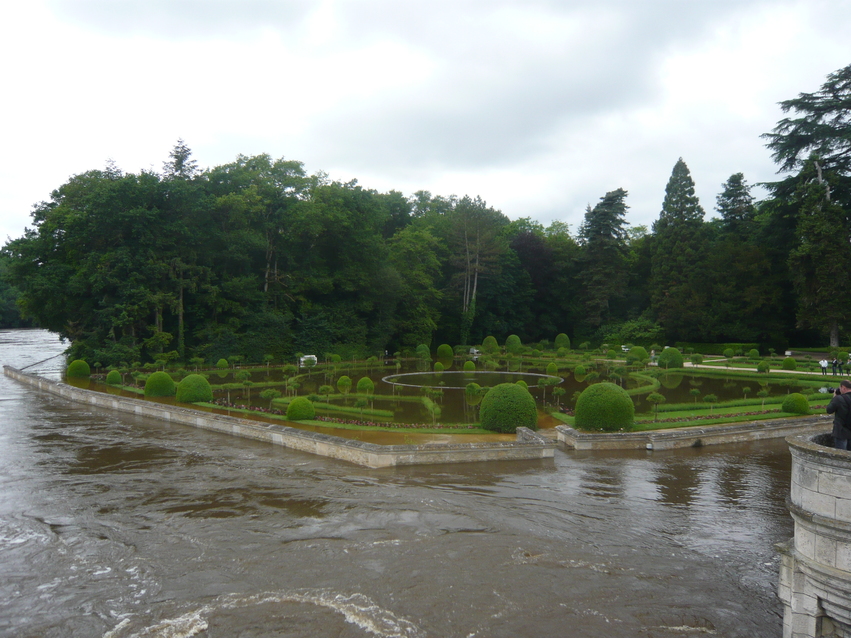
840	408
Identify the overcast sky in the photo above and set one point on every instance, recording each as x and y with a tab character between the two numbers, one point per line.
539	107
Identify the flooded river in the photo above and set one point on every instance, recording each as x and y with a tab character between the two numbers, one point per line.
118	526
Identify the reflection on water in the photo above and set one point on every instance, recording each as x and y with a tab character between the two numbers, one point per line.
114	525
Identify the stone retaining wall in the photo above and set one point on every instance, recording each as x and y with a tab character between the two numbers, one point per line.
529	445
815	570
689	437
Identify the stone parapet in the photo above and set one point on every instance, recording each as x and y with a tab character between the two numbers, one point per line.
815	571
688	437
528	445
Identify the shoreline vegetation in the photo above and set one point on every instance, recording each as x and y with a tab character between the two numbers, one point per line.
640	378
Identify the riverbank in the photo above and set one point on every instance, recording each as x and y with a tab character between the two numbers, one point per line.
529	445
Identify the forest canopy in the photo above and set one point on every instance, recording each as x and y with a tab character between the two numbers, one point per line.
256	258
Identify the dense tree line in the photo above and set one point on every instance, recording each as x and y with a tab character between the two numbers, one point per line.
256	257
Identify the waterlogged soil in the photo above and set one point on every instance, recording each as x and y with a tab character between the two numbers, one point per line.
118	526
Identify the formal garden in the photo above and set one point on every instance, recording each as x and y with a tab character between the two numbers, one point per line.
491	387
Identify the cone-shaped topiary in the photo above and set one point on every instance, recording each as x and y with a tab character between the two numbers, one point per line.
300	409
444	351
193	389
604	406
670	358
789	363
78	368
159	384
562	341
114	377
508	406
795	403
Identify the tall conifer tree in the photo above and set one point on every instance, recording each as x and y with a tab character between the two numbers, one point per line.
677	256
604	243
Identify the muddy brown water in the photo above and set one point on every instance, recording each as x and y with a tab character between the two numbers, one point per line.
118	526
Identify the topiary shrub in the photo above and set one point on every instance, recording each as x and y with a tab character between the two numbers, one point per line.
562	341
469	366
636	354
763	366
604	406
222	364
490	344
789	364
194	388
438	367
365	385
114	378
795	403
444	351
728	352
513	344
159	384
552	369
344	384
300	409
508	406
521	382
753	354
78	368
697	359
670	358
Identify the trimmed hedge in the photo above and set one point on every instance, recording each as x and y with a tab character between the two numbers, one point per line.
670	358
78	368
562	341
753	353
763	366
552	369
445	351
300	409
438	367
490	344
469	366
606	407
513	344
160	384
114	378
636	354
194	388
222	363
795	403
789	364
508	406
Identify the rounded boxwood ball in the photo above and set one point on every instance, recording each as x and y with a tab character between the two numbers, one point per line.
300	409
114	377
604	406
221	364
670	358
193	389
78	368
469	366
763	366
508	406
795	403
444	351
636	354
552	369
789	363
159	384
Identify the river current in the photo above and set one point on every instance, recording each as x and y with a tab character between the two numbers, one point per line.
116	526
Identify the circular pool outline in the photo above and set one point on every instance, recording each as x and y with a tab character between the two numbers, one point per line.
463	387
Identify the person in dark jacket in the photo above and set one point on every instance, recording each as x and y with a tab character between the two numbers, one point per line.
840	408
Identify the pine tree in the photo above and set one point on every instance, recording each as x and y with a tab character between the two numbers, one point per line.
180	164
735	204
678	251
604	243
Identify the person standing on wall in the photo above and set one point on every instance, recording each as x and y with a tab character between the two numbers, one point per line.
840	408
